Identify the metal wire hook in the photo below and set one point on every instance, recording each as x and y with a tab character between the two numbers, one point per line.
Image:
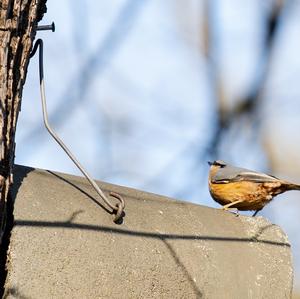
118	208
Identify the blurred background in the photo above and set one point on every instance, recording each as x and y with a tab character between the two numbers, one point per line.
146	92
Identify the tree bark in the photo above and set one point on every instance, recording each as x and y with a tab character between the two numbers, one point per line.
18	23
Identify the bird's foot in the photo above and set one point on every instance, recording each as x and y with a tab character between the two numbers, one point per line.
234	211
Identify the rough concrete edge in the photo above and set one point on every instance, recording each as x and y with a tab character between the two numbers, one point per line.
260	221
274	229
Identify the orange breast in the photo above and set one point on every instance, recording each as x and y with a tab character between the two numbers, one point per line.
252	195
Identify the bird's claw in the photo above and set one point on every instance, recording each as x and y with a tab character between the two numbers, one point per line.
234	211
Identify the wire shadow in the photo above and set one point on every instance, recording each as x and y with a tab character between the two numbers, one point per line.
196	290
81	190
113	230
163	237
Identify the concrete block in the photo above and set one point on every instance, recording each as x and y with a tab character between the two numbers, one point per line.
64	245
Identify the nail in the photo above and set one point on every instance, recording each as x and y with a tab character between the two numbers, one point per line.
47	27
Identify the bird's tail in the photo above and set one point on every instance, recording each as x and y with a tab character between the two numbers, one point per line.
290	186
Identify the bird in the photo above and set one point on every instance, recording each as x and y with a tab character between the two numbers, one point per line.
244	189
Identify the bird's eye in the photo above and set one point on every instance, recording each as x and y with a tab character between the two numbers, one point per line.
220	163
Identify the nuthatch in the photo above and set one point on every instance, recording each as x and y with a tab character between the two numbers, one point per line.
244	189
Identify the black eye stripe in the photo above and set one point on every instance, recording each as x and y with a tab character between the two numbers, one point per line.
219	163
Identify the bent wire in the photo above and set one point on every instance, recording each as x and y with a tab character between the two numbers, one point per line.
118	208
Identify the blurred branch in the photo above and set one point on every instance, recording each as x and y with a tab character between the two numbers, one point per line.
250	104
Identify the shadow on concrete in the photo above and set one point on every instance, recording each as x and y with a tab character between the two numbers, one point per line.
14	293
119	221
263	229
133	196
20	172
81	190
112	230
164	237
179	263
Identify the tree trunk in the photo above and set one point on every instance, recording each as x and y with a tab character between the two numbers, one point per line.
18	22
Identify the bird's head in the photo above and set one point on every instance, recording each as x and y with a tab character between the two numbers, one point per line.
215	166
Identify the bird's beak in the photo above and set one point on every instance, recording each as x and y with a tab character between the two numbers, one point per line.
210	163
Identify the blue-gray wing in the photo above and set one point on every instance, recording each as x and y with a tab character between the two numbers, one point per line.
235	174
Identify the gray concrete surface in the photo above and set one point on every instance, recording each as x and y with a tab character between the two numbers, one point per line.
64	245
